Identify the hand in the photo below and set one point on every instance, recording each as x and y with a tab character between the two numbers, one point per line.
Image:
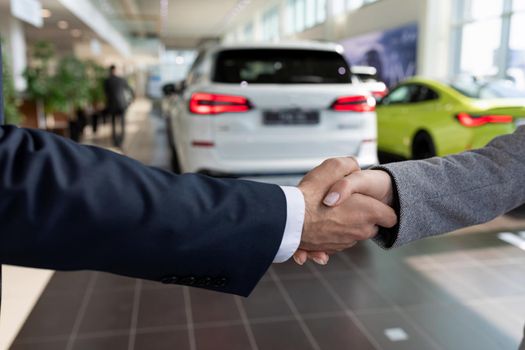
374	183
334	229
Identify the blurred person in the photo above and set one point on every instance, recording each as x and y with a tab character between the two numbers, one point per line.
67	206
118	97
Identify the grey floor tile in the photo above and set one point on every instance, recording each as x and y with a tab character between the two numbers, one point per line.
208	306
266	301
48	345
109	282
486	283
398	288
108	311
290	268
117	342
161	307
68	282
513	273
457	328
310	296
378	323
355	292
338	333
231	338
171	340
280	335
53	315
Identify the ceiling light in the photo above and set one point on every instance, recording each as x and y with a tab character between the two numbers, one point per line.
46	13
76	33
179	60
63	25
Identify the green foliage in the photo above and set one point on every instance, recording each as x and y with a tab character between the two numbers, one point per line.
70	86
96	74
39	75
11	113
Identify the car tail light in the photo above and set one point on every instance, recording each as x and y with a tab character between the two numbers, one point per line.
471	121
354	104
380	94
205	104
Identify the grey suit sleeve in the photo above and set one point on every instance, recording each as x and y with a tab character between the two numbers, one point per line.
440	195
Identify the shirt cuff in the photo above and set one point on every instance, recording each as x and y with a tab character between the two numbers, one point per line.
295	209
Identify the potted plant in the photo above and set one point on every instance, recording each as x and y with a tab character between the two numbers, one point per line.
39	78
71	92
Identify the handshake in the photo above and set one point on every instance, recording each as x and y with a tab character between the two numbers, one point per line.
344	205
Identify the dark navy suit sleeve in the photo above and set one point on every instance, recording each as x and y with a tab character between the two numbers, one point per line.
65	206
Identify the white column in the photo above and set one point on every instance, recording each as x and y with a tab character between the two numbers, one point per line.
12	32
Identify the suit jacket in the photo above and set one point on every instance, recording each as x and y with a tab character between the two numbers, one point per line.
440	195
116	89
65	206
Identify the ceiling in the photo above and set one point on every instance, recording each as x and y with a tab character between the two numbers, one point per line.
184	24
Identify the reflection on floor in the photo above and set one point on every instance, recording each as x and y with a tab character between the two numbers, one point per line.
463	291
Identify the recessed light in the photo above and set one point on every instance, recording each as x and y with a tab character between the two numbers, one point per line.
63	25
46	13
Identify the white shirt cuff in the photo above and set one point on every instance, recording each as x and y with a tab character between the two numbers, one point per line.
295	209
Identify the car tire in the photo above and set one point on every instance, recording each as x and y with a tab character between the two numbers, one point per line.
423	146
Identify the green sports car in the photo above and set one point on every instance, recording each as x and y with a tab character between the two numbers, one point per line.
422	118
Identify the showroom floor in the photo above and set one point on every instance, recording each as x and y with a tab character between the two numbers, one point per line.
462	291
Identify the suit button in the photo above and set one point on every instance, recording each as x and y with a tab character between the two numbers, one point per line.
220	282
170	280
189	281
204	281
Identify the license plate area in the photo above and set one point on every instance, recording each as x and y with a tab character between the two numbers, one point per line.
291	117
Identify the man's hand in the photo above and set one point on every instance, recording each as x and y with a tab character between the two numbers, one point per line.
375	184
334	229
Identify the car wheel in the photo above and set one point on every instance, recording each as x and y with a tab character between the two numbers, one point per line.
423	146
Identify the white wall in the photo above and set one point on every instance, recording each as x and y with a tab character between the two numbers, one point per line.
433	18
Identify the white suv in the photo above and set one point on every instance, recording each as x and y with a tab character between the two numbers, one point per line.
270	109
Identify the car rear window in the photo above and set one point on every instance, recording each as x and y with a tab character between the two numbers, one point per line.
280	66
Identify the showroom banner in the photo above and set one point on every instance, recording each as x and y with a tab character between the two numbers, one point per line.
392	52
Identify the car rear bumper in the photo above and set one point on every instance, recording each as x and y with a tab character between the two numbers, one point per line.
206	161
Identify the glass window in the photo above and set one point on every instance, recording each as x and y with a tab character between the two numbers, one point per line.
480	9
516	56
279	66
310	19
338	7
518	5
479	57
270	25
424	94
290	17
399	95
299	15
321	11
248	32
354	4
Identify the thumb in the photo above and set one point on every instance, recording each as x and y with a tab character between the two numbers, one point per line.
344	188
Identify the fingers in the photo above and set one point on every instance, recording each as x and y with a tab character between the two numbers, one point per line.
344	188
381	214
300	257
333	169
373	183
